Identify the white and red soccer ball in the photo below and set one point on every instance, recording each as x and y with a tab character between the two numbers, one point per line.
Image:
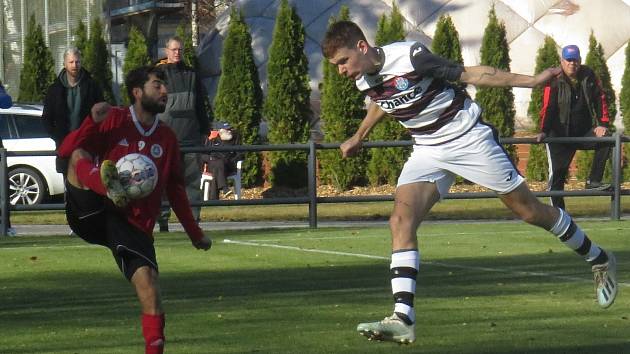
138	175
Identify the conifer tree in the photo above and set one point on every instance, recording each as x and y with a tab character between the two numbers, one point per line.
342	106
386	163
137	56
38	70
537	165
624	105
81	38
446	40
596	60
190	59
97	62
287	106
497	102
239	95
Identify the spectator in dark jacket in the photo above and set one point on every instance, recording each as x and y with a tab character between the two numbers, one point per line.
186	114
574	105
69	100
221	164
5	99
6	102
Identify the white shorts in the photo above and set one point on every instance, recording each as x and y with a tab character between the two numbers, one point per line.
476	156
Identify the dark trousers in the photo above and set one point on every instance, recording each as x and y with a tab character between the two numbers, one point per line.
560	157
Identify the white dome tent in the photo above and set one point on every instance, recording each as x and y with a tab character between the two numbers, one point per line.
527	23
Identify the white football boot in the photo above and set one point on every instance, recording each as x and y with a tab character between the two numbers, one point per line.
390	329
605	276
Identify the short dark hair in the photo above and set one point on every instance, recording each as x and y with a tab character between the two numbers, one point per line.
341	34
138	77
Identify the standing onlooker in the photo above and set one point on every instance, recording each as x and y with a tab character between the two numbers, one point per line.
574	105
69	100
187	116
6	102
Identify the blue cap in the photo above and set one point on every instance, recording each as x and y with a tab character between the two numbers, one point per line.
571	52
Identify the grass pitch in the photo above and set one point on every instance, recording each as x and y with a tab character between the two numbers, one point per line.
482	288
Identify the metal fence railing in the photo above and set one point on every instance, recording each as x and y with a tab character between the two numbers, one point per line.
313	200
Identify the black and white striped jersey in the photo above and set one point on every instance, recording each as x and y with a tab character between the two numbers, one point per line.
413	86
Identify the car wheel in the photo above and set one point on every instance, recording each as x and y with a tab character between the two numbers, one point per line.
25	187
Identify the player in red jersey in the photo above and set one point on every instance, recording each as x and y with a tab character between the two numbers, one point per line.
97	208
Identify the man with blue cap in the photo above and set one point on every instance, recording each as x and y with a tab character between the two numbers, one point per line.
574	105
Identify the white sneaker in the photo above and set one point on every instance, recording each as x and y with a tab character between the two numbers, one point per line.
11	231
390	329
605	276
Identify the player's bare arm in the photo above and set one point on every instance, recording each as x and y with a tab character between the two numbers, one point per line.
99	111
493	77
351	146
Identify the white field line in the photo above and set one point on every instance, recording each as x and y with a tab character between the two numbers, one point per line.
439	264
420	235
337	253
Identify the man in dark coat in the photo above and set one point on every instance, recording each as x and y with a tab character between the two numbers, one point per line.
69	100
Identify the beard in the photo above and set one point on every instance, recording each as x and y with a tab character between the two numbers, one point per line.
152	106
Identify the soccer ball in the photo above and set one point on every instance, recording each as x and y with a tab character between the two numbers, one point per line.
138	175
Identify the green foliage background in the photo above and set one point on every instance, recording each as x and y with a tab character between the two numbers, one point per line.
538	165
96	60
239	95
497	103
596	60
342	106
81	38
38	71
287	105
137	56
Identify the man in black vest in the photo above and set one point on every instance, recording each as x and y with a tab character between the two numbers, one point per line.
574	104
187	115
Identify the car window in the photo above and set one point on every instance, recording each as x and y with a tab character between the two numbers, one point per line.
4	126
30	127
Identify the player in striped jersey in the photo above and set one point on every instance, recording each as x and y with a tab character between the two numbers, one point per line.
408	82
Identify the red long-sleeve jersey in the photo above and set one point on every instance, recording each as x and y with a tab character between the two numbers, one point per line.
117	136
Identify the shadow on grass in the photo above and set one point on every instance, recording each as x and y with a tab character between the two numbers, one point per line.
86	288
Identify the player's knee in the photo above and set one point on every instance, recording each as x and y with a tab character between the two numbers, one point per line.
400	223
77	155
529	216
534	214
395	221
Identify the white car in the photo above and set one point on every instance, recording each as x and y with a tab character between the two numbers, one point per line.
32	179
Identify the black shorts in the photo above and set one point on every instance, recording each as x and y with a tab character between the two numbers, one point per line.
97	222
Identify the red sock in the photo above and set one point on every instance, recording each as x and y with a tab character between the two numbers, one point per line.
153	332
90	176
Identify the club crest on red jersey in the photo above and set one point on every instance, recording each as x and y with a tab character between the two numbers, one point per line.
156	151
